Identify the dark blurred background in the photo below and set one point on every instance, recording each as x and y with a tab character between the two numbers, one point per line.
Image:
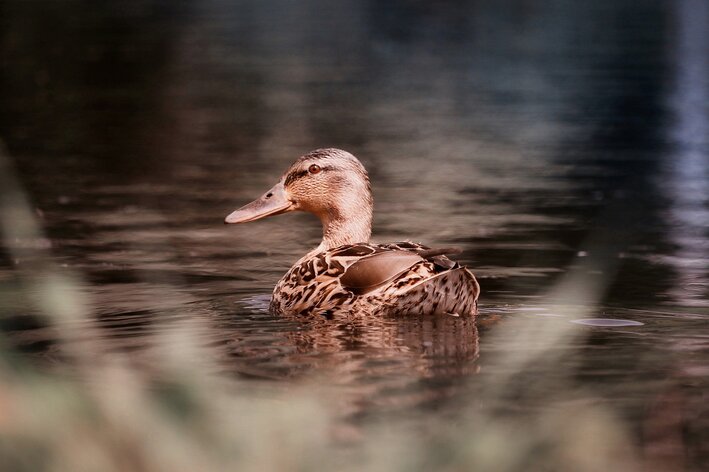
553	141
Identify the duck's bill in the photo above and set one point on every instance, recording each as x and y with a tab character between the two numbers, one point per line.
273	202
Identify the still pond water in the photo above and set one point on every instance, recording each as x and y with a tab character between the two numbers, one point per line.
563	146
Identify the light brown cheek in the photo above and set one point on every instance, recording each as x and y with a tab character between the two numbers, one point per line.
301	195
310	198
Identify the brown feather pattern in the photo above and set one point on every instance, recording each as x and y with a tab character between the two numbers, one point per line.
388	279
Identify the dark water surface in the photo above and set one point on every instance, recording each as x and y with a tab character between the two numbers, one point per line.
563	145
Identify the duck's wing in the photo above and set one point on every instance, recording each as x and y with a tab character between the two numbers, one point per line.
378	265
370	272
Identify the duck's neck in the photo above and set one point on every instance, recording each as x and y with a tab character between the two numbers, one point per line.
338	231
348	224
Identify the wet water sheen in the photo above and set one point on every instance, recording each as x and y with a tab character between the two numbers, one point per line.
562	145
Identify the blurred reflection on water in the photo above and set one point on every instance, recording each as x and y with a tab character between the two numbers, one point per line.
544	138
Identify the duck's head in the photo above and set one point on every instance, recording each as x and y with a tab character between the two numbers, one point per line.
330	183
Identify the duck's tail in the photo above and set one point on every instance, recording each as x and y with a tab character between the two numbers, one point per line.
453	292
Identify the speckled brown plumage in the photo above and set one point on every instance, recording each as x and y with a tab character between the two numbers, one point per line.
434	285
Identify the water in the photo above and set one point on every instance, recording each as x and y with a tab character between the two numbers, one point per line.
563	146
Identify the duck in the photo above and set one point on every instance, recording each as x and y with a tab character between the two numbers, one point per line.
347	274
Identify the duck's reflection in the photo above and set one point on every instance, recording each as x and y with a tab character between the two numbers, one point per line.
389	363
432	339
425	346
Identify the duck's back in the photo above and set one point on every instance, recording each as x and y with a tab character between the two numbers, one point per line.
389	279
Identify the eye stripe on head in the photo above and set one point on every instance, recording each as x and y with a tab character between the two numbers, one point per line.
295	175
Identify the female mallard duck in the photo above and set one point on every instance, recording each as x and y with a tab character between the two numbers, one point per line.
346	273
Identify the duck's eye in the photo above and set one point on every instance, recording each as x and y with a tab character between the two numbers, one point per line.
314	169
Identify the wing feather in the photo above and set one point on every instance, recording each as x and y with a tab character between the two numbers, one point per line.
373	271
